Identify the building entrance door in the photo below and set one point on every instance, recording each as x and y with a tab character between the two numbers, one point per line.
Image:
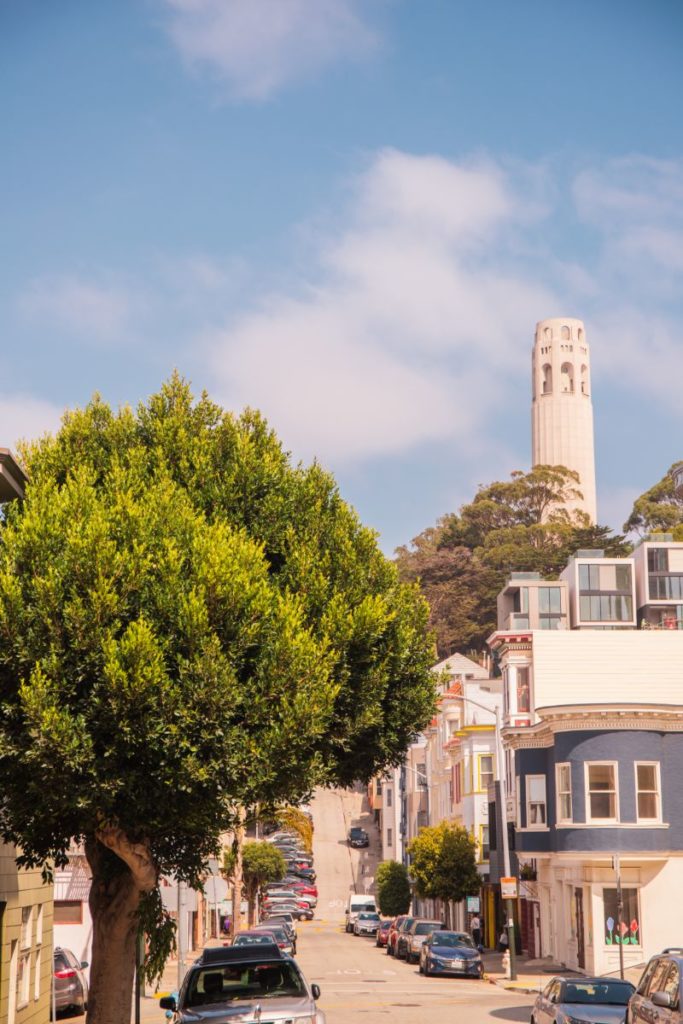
580	941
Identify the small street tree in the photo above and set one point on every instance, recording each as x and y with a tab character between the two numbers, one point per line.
261	863
189	625
392	886
443	863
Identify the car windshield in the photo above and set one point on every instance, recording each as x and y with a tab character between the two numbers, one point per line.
605	992
357	833
453	940
368	917
406	923
425	927
232	983
384	925
279	934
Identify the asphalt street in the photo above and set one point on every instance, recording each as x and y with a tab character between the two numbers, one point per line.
358	980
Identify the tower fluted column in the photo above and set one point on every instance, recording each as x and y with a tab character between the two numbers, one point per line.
561	407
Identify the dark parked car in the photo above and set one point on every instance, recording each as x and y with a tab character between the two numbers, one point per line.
659	995
233	982
71	984
300	911
284	940
383	932
590	1000
358	837
399	924
450	953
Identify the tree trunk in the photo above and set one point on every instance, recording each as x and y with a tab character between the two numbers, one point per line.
237	875
118	883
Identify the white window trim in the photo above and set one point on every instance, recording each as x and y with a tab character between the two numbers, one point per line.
562	820
617	804
527	787
25	942
655	765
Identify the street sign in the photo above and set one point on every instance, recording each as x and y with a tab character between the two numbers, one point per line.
473	905
508	888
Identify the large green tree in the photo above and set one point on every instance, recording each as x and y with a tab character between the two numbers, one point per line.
659	510
392	886
443	863
188	624
516	525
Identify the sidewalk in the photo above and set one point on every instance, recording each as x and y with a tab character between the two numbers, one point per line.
534	975
149	1004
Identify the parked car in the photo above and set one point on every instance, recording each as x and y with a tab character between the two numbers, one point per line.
358	837
283	939
659	995
450	953
300	911
383	932
410	942
366	923
592	1000
237	980
283	918
71	984
400	923
306	873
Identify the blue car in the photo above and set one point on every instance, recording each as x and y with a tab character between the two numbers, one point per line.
585	1000
450	953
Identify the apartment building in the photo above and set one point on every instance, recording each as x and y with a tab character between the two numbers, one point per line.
25	942
593	731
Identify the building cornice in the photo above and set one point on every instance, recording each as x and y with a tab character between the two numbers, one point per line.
594	718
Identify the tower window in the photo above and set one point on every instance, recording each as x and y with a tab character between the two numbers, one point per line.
584	380
567	379
547	379
548	333
580	334
566	335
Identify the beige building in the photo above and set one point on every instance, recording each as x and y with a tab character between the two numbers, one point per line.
562	410
25	943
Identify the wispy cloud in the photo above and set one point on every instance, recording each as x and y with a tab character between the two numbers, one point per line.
24	417
408	329
80	306
258	46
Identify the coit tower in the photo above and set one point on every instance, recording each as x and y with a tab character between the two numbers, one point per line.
561	407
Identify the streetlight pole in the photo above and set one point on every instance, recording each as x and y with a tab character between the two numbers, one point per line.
501	778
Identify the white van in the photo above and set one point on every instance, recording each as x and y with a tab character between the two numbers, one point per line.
356	903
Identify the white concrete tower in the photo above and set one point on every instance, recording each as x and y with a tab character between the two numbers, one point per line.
561	407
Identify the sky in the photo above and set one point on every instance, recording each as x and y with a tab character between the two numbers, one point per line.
349	214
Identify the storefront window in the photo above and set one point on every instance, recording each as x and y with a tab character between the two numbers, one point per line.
629	931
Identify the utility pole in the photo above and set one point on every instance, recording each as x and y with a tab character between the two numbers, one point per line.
181	933
509	904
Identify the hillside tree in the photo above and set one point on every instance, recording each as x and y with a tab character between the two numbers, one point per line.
660	509
392	886
443	863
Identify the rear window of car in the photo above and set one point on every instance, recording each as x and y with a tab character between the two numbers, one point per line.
606	993
230	983
425	927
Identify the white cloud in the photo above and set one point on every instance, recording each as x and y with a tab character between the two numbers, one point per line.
412	328
25	418
259	46
77	305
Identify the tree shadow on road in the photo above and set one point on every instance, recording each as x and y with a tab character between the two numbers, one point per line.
511	1013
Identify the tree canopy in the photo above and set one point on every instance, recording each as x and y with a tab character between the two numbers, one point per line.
659	510
392	886
188	623
517	525
443	863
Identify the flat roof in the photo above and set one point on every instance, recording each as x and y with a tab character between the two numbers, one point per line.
13	480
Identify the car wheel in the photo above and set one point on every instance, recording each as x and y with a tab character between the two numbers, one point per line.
427	972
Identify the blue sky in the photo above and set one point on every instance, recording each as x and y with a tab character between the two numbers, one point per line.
349	214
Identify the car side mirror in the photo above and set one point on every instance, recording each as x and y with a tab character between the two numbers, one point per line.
167	1003
84	964
553	998
347	911
662	999
315	989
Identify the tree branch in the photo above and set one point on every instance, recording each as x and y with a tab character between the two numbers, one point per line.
136	855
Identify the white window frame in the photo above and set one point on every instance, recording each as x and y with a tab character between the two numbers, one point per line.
649	764
614	765
36	976
26	931
24	993
39	925
561	819
527	788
